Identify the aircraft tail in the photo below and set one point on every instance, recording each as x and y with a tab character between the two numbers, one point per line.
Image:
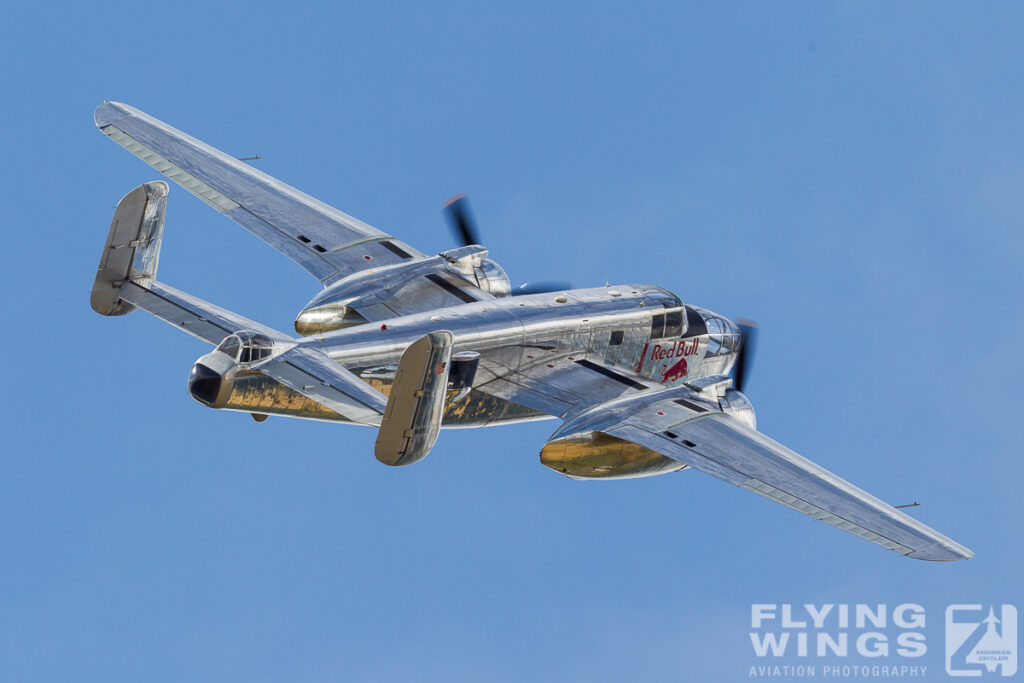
132	249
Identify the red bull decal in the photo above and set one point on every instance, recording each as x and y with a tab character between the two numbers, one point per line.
668	358
643	356
683	347
675	372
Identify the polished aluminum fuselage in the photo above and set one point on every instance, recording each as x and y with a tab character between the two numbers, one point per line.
519	337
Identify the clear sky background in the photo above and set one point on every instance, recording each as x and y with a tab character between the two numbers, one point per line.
851	175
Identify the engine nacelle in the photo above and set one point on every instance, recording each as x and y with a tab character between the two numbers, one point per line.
472	264
581	449
327	317
344	302
597	455
734	403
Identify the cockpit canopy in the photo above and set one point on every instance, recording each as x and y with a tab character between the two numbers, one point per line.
247	347
668	323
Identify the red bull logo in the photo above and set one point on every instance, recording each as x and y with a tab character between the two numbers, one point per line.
675	372
665	352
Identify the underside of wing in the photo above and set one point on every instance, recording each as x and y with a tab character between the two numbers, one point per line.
368	275
566	384
326	242
679	425
314	375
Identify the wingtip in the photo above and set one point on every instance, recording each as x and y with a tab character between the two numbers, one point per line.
110	112
943	553
958	552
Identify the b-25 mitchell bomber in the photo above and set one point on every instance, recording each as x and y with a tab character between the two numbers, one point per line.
409	343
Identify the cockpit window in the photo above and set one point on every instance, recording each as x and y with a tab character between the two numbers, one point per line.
247	347
674	323
230	346
668	324
255	348
657	326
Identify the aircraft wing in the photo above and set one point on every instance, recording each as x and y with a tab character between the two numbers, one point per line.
313	374
682	424
326	242
562	386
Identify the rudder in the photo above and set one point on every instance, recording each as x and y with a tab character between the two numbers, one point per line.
132	249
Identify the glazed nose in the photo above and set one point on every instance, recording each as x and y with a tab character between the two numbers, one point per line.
204	384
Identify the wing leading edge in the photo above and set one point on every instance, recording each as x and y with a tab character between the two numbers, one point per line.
323	240
682	424
719	445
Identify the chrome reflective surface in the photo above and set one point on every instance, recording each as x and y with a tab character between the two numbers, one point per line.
596	455
412	419
385	292
638	377
326	242
132	249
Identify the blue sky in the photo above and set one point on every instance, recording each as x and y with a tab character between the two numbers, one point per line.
850	175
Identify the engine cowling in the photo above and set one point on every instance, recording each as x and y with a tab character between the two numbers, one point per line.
472	264
734	403
580	449
343	303
597	455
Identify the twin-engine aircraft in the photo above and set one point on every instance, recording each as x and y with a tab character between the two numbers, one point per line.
409	343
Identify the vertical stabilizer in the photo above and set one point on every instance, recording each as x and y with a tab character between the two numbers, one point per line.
132	249
415	407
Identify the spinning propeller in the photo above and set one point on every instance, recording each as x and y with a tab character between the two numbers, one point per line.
460	218
745	358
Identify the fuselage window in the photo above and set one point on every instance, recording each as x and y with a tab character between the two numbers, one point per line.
658	326
616	338
668	324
